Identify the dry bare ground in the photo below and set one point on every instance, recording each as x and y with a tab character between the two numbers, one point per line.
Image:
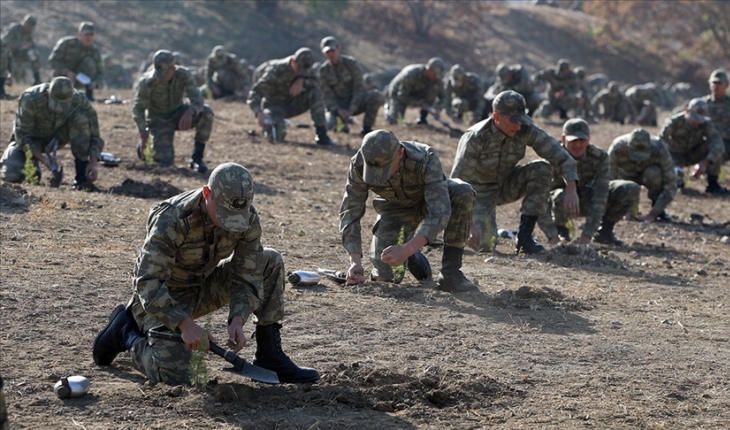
596	337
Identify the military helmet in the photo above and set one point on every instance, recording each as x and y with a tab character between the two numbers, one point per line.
580	72
502	70
30	20
562	64
457	74
219	51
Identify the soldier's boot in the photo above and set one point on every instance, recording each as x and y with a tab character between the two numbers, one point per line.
451	279
119	335
3	94
564	233
419	266
365	130
605	234
525	241
196	160
714	187
680	177
269	355
322	138
36	78
89	93
422	119
662	217
81	182
563	114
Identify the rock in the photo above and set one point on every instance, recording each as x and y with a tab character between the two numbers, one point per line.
175	391
725	239
702	272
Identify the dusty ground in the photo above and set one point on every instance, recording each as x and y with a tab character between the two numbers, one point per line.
599	337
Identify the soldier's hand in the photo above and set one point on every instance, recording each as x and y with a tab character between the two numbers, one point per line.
92	173
554	240
186	121
699	169
194	336
475	238
71	75
236	336
395	255
216	91
344	114
355	274
262	119
571	203
583	240
296	87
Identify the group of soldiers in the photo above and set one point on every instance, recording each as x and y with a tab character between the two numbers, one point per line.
415	200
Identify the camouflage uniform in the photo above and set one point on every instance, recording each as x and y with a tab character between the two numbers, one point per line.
224	72
655	170
562	91
413	87
515	78
117	77
719	112
615	106
637	94
5	68
343	88
159	107
600	198
418	193
4	422
487	159
36	124
689	145
14	39
70	55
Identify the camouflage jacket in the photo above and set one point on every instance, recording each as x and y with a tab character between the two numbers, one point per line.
613	103
720	115
183	247
569	82
36	120
623	167
486	156
15	37
472	89
273	84
68	54
342	81
419	181
520	82
160	100
593	174
213	65
4	59
682	138
412	86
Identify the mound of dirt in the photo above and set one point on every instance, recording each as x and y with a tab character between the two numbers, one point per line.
157	189
534	298
576	256
14	198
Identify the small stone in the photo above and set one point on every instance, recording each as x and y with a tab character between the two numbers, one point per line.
702	272
725	239
175	391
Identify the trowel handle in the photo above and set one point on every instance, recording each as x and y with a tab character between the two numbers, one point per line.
230	356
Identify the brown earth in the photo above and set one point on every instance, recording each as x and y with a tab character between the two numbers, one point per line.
596	337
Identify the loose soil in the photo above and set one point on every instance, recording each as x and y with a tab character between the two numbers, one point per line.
578	337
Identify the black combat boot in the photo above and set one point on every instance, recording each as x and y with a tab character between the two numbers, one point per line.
564	233
423	120
89	93
81	182
196	160
713	186
322	138
36	78
269	355
451	279
119	335
605	234
525	241
365	130
419	266
3	94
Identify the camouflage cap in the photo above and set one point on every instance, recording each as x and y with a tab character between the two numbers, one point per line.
219	51
512	105
379	149
60	93
457	74
576	128
177	55
86	27
305	60
698	110
562	65
580	72
231	186
163	61
30	20
501	70
328	43
718	75
639	145
437	65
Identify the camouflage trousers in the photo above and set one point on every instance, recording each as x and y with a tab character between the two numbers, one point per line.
227	82
463	105
87	66
76	131
694	156
4	423
647	116
20	65
370	104
551	105
531	181
310	99
653	179
163	132
398	225
169	362
622	197
397	106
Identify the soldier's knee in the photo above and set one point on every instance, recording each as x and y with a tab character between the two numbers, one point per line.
273	256
207	112
11	175
461	190
541	169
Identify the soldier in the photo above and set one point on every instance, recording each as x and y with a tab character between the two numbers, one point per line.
648	114
612	105
691	138
411	190
77	58
19	40
223	76
644	159
464	93
343	87
718	103
47	112
487	158
159	109
6	77
286	88
603	202
637	94
513	78
117	77
416	85
202	251
562	91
